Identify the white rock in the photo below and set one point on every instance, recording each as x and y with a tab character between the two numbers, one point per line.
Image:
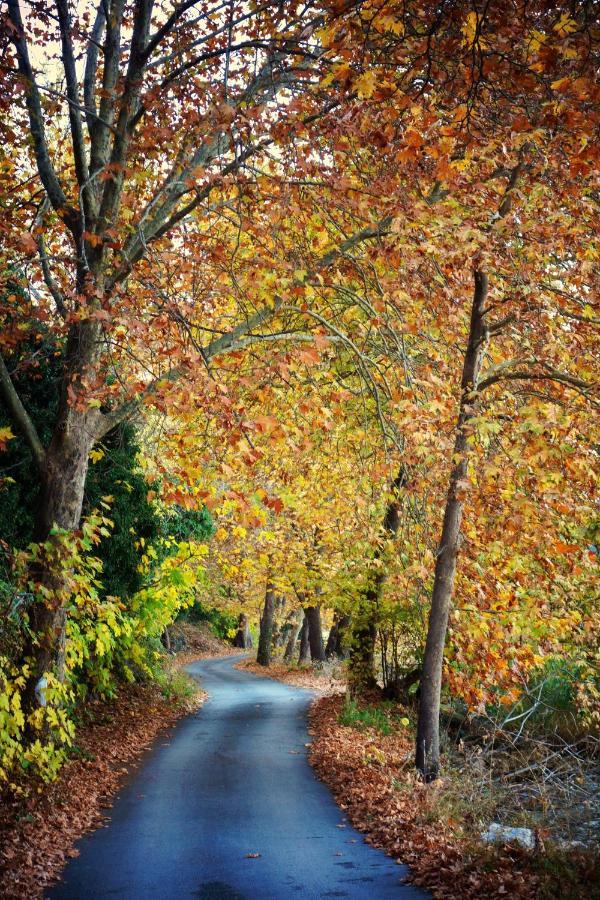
502	834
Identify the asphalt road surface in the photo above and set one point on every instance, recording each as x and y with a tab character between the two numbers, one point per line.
231	781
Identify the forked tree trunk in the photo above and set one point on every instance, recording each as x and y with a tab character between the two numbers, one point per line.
361	673
263	657
428	728
304	643
315	633
293	636
243	638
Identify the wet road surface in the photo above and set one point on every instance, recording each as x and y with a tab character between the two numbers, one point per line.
231	780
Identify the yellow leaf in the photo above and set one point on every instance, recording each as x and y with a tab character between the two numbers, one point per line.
469	28
565	25
364	85
5	436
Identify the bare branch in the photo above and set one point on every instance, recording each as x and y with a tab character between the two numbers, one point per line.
20	416
46	171
91	64
128	104
51	284
503	373
78	143
165	29
100	128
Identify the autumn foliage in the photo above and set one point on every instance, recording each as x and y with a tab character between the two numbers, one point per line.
337	264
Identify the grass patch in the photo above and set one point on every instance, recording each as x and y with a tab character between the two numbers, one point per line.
354	716
178	686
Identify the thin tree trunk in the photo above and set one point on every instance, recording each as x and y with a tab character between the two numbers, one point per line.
428	728
276	637
315	633
361	673
263	657
243	638
293	636
304	643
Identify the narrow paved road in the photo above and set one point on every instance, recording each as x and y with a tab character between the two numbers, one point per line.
229	781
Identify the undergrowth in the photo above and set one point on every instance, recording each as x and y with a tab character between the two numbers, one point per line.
381	718
177	686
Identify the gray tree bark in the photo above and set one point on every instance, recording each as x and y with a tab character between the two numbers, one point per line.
293	636
243	638
428	727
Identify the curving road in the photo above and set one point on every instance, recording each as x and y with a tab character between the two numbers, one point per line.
231	780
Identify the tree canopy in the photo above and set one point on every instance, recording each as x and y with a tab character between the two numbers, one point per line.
298	302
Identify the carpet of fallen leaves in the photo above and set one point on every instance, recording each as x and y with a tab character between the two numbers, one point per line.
324	681
38	831
372	780
199	643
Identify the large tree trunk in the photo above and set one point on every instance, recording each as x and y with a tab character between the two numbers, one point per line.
60	511
315	633
335	642
263	657
304	642
361	672
63	474
243	638
293	636
428	728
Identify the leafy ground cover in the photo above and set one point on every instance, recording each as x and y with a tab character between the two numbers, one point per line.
324	681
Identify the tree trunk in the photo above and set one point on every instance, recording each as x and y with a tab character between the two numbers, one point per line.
315	633
293	636
361	673
332	638
263	657
63	483
428	728
278	635
335	641
243	638
304	642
